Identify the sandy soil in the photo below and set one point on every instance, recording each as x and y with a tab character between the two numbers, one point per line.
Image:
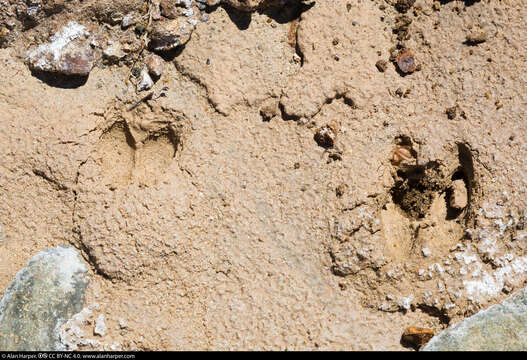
284	184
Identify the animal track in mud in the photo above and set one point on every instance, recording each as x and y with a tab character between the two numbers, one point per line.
418	186
116	155
137	146
397	247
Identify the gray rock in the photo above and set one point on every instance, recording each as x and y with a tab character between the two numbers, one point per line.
501	327
114	52
43	296
145	81
128	21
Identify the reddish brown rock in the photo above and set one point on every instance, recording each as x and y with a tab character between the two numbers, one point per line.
155	65
416	336
381	65
402	153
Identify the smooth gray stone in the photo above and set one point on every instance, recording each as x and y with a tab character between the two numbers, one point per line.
502	327
45	294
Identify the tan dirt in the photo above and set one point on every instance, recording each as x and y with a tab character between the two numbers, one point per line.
213	218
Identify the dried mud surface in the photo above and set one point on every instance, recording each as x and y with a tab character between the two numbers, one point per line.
278	187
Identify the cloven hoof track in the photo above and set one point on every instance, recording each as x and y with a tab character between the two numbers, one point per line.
137	147
416	186
389	248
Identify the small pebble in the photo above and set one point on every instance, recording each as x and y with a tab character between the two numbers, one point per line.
476	37
123	324
340	190
145	82
451	112
155	65
100	326
381	65
406	62
325	136
114	52
128	21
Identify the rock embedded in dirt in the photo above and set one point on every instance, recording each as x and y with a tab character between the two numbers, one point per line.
406	62
173	10
476	37
341	190
123	324
326	135
68	52
100	326
155	65
145	81
43	295
402	26
128	21
381	65
502	327
167	35
416	337
426	252
114	52
403	154
459	197
113	12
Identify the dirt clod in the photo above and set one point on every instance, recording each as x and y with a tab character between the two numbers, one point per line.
451	112
404	5
459	197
